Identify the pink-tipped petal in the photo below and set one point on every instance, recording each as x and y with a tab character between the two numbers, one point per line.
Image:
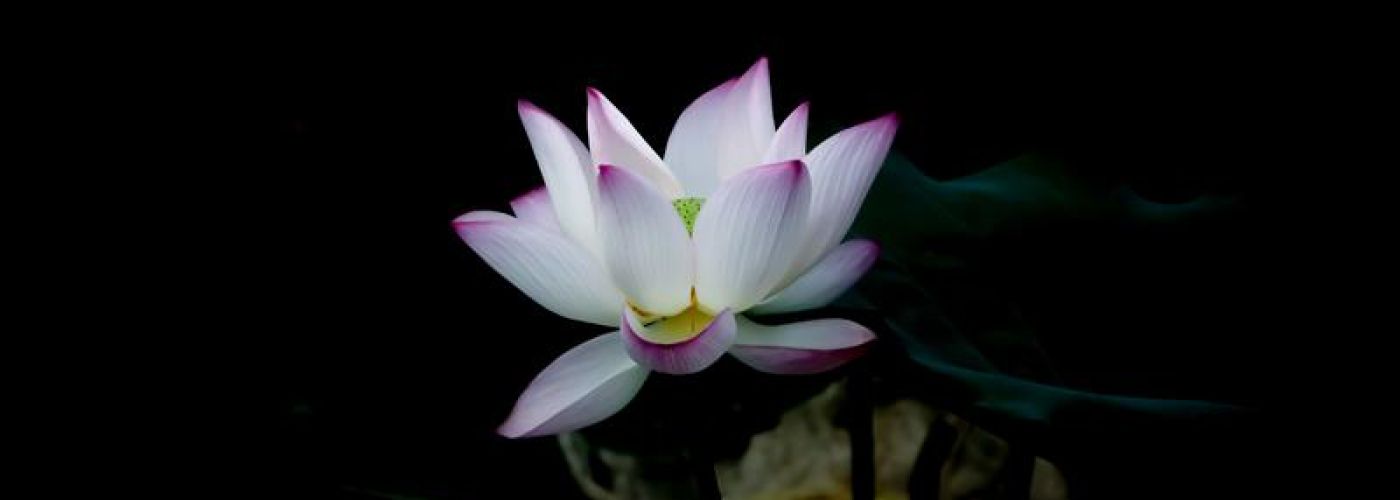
790	141
800	348
614	141
747	235
826	280
749	122
724	132
568	172
480	216
645	245
693	149
843	167
536	208
547	266
678	358
587	384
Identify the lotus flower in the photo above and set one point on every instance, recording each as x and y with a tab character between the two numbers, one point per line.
677	252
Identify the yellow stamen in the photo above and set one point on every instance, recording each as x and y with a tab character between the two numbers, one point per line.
678	328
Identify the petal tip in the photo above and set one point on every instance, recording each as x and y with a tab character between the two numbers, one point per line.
794	169
525	108
759	66
526	196
510	429
865	335
505	431
474	217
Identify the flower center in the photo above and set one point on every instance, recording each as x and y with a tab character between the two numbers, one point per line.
679	328
688	208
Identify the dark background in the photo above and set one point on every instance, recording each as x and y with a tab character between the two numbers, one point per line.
374	352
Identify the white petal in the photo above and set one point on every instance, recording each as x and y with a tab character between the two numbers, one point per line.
747	234
843	167
589	383
748	128
824	281
614	141
535	207
568	174
800	348
790	141
645	245
678	358
549	267
692	151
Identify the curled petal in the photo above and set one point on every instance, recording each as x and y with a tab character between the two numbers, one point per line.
645	245
725	131
843	167
568	172
693	149
547	266
790	141
587	384
677	358
748	127
800	348
535	207
825	280
614	141
747	235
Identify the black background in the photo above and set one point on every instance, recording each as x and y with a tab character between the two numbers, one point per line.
372	351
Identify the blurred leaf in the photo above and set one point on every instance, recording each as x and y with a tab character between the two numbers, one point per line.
931	286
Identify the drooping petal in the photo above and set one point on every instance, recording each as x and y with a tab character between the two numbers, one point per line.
747	234
535	207
800	348
614	141
645	245
748	128
587	384
549	267
678	358
790	141
568	172
693	149
843	167
825	280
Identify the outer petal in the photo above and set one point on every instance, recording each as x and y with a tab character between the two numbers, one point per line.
790	142
843	168
536	208
693	149
802	347
824	281
749	122
645	245
614	141
550	268
568	172
589	383
679	358
747	234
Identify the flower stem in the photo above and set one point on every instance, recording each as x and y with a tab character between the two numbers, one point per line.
700	431
703	469
861	431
